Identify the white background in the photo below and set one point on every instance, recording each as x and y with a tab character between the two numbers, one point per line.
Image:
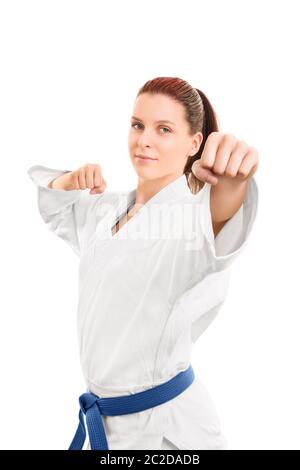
70	71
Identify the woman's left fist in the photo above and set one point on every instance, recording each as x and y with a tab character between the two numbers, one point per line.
225	157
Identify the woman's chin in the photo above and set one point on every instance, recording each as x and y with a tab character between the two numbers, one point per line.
142	170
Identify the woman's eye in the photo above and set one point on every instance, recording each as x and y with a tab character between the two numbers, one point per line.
132	125
166	128
162	127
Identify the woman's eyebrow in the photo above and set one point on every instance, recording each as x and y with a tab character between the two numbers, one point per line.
161	120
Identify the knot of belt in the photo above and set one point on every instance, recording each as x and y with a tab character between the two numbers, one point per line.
90	406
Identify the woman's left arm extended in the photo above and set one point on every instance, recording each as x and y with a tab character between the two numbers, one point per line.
227	164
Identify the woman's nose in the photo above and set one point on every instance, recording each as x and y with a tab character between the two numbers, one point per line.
145	139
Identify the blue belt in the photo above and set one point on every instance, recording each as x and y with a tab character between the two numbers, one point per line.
93	407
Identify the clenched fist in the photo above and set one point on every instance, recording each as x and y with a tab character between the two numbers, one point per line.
87	176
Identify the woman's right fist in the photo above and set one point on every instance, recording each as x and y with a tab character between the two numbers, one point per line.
87	176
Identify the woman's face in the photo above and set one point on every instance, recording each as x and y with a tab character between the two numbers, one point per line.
151	134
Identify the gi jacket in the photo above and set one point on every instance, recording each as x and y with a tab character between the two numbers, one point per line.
146	294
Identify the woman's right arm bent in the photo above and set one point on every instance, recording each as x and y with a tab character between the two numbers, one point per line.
63	202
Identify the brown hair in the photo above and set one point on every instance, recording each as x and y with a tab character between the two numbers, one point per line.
199	114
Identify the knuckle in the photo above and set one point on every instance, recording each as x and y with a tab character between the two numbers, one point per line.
95	166
213	137
218	170
243	146
230	138
231	173
214	134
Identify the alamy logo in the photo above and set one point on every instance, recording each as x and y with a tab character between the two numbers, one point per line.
155	221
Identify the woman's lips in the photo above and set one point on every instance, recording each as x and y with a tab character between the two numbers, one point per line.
144	158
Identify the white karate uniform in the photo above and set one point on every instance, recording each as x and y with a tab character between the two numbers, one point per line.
144	301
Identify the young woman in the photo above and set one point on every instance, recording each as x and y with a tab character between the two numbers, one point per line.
154	268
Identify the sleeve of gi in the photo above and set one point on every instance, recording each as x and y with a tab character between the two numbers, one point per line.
64	211
209	285
234	236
